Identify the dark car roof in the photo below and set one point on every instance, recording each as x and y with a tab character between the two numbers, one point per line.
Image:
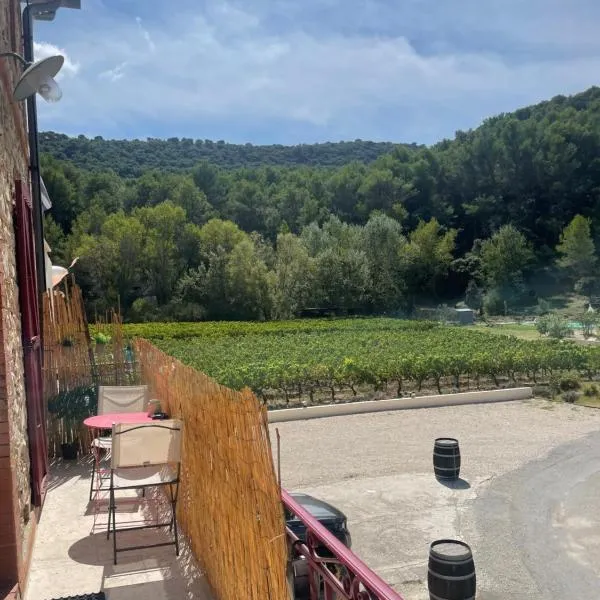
317	508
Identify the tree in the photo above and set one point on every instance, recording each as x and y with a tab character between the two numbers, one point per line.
522	180
294	276
576	248
220	234
248	284
190	296
474	296
164	224
111	265
504	257
383	244
62	183
341	279
56	239
427	256
193	201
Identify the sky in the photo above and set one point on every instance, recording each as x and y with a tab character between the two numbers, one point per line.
305	71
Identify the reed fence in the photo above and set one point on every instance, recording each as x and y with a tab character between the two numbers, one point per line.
74	364
230	505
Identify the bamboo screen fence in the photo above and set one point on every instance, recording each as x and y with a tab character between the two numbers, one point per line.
67	351
73	362
68	359
230	504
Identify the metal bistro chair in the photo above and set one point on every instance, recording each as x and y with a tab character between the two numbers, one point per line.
145	455
114	399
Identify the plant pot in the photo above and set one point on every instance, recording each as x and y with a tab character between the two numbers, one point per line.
69	451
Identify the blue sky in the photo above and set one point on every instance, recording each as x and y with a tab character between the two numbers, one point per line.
303	71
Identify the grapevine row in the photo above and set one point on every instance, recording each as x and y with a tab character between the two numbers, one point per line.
304	357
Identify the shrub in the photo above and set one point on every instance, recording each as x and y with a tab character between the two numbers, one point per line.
493	303
590	390
570	397
541	325
567	384
542	391
474	296
585	286
101	338
589	321
187	311
554	326
143	309
543	307
558	327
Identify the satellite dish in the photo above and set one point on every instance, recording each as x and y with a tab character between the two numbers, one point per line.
39	77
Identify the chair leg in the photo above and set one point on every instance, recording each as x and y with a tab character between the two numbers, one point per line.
173	524
175	532
110	511
93	477
114	523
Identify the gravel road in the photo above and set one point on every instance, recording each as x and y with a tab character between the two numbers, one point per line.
525	503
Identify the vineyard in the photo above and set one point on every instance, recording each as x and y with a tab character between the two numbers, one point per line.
313	359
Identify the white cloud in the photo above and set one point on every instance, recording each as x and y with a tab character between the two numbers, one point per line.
225	65
145	34
114	74
44	50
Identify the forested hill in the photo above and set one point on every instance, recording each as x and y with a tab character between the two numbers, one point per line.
485	213
130	158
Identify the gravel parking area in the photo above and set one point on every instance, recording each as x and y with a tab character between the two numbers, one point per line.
530	472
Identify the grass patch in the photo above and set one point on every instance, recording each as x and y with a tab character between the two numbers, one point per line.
589	402
524	332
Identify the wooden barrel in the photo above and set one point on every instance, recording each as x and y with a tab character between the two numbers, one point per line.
446	458
451	573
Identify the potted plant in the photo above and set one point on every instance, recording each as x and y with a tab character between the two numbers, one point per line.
72	407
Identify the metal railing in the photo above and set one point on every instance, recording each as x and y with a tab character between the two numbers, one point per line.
342	575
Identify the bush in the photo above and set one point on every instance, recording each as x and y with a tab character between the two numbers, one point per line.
558	384
590	390
474	296
493	303
143	309
543	307
187	311
567	384
558	327
543	391
571	396
589	322
541	325
101	338
585	286
554	326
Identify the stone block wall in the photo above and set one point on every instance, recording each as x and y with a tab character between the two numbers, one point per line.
15	491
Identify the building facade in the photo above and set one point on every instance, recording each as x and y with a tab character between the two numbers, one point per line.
17	515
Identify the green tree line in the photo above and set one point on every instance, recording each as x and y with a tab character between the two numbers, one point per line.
130	158
481	215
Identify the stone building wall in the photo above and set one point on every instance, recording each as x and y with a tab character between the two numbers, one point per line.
15	491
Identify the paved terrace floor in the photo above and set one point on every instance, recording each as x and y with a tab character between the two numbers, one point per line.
72	556
527	502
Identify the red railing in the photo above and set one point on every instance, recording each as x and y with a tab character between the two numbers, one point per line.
341	576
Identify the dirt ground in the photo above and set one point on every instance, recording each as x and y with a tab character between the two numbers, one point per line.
530	470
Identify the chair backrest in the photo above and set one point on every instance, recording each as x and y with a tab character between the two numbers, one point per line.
145	444
122	398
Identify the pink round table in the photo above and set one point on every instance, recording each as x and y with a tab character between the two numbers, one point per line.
109	419
95	424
